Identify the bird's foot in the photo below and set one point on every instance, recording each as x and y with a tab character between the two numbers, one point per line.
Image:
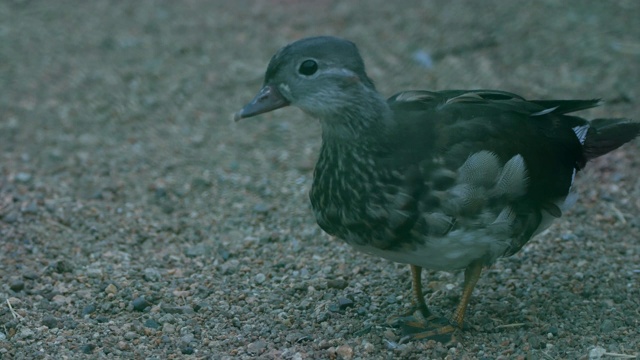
418	326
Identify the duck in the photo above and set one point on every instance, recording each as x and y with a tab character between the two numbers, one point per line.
447	180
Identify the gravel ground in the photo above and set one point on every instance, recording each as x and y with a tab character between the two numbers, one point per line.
137	221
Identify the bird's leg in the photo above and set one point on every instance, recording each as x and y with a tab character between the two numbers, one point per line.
418	298
471	276
420	323
423	324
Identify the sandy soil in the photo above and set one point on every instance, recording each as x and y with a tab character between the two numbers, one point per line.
137	221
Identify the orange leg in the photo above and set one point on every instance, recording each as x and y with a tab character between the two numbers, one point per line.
423	324
418	298
471	276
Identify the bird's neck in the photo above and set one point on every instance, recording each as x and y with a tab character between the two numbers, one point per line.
361	122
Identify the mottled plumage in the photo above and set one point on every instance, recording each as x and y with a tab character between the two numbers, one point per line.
443	180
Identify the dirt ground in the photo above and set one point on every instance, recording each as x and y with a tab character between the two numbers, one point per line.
137	221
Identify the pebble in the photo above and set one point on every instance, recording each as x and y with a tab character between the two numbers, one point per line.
607	326
152	274
345	352
50	322
16	285
151	324
224	253
597	353
260	278
337	284
89	309
140	303
256	347
261	208
168	328
63	266
535	341
187	339
130	335
344	303
23	177
187	350
111	289
94	273
25	333
176	309
30	208
87	348
197	250
11	217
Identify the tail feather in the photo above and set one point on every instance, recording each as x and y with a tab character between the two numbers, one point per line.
606	135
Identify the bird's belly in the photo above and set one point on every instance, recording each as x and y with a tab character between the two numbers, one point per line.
454	251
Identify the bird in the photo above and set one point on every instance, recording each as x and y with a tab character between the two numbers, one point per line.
446	180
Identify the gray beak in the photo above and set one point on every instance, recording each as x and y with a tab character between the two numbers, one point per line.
268	99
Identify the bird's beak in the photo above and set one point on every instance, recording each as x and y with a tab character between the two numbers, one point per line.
268	99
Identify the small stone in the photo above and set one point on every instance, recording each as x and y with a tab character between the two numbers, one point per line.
260	278
30	208
345	352
140	303
94	273
261	208
152	274
87	348
10	217
25	333
344	303
31	275
324	316
337	284
89	309
389	335
169	309
151	324
187	350
130	335
168	328
197	250
61	299
256	347
607	326
368	347
63	266
535	341
23	177
187	339
50	322
111	289
16	285
597	353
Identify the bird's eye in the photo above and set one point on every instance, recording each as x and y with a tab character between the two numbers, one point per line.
308	67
